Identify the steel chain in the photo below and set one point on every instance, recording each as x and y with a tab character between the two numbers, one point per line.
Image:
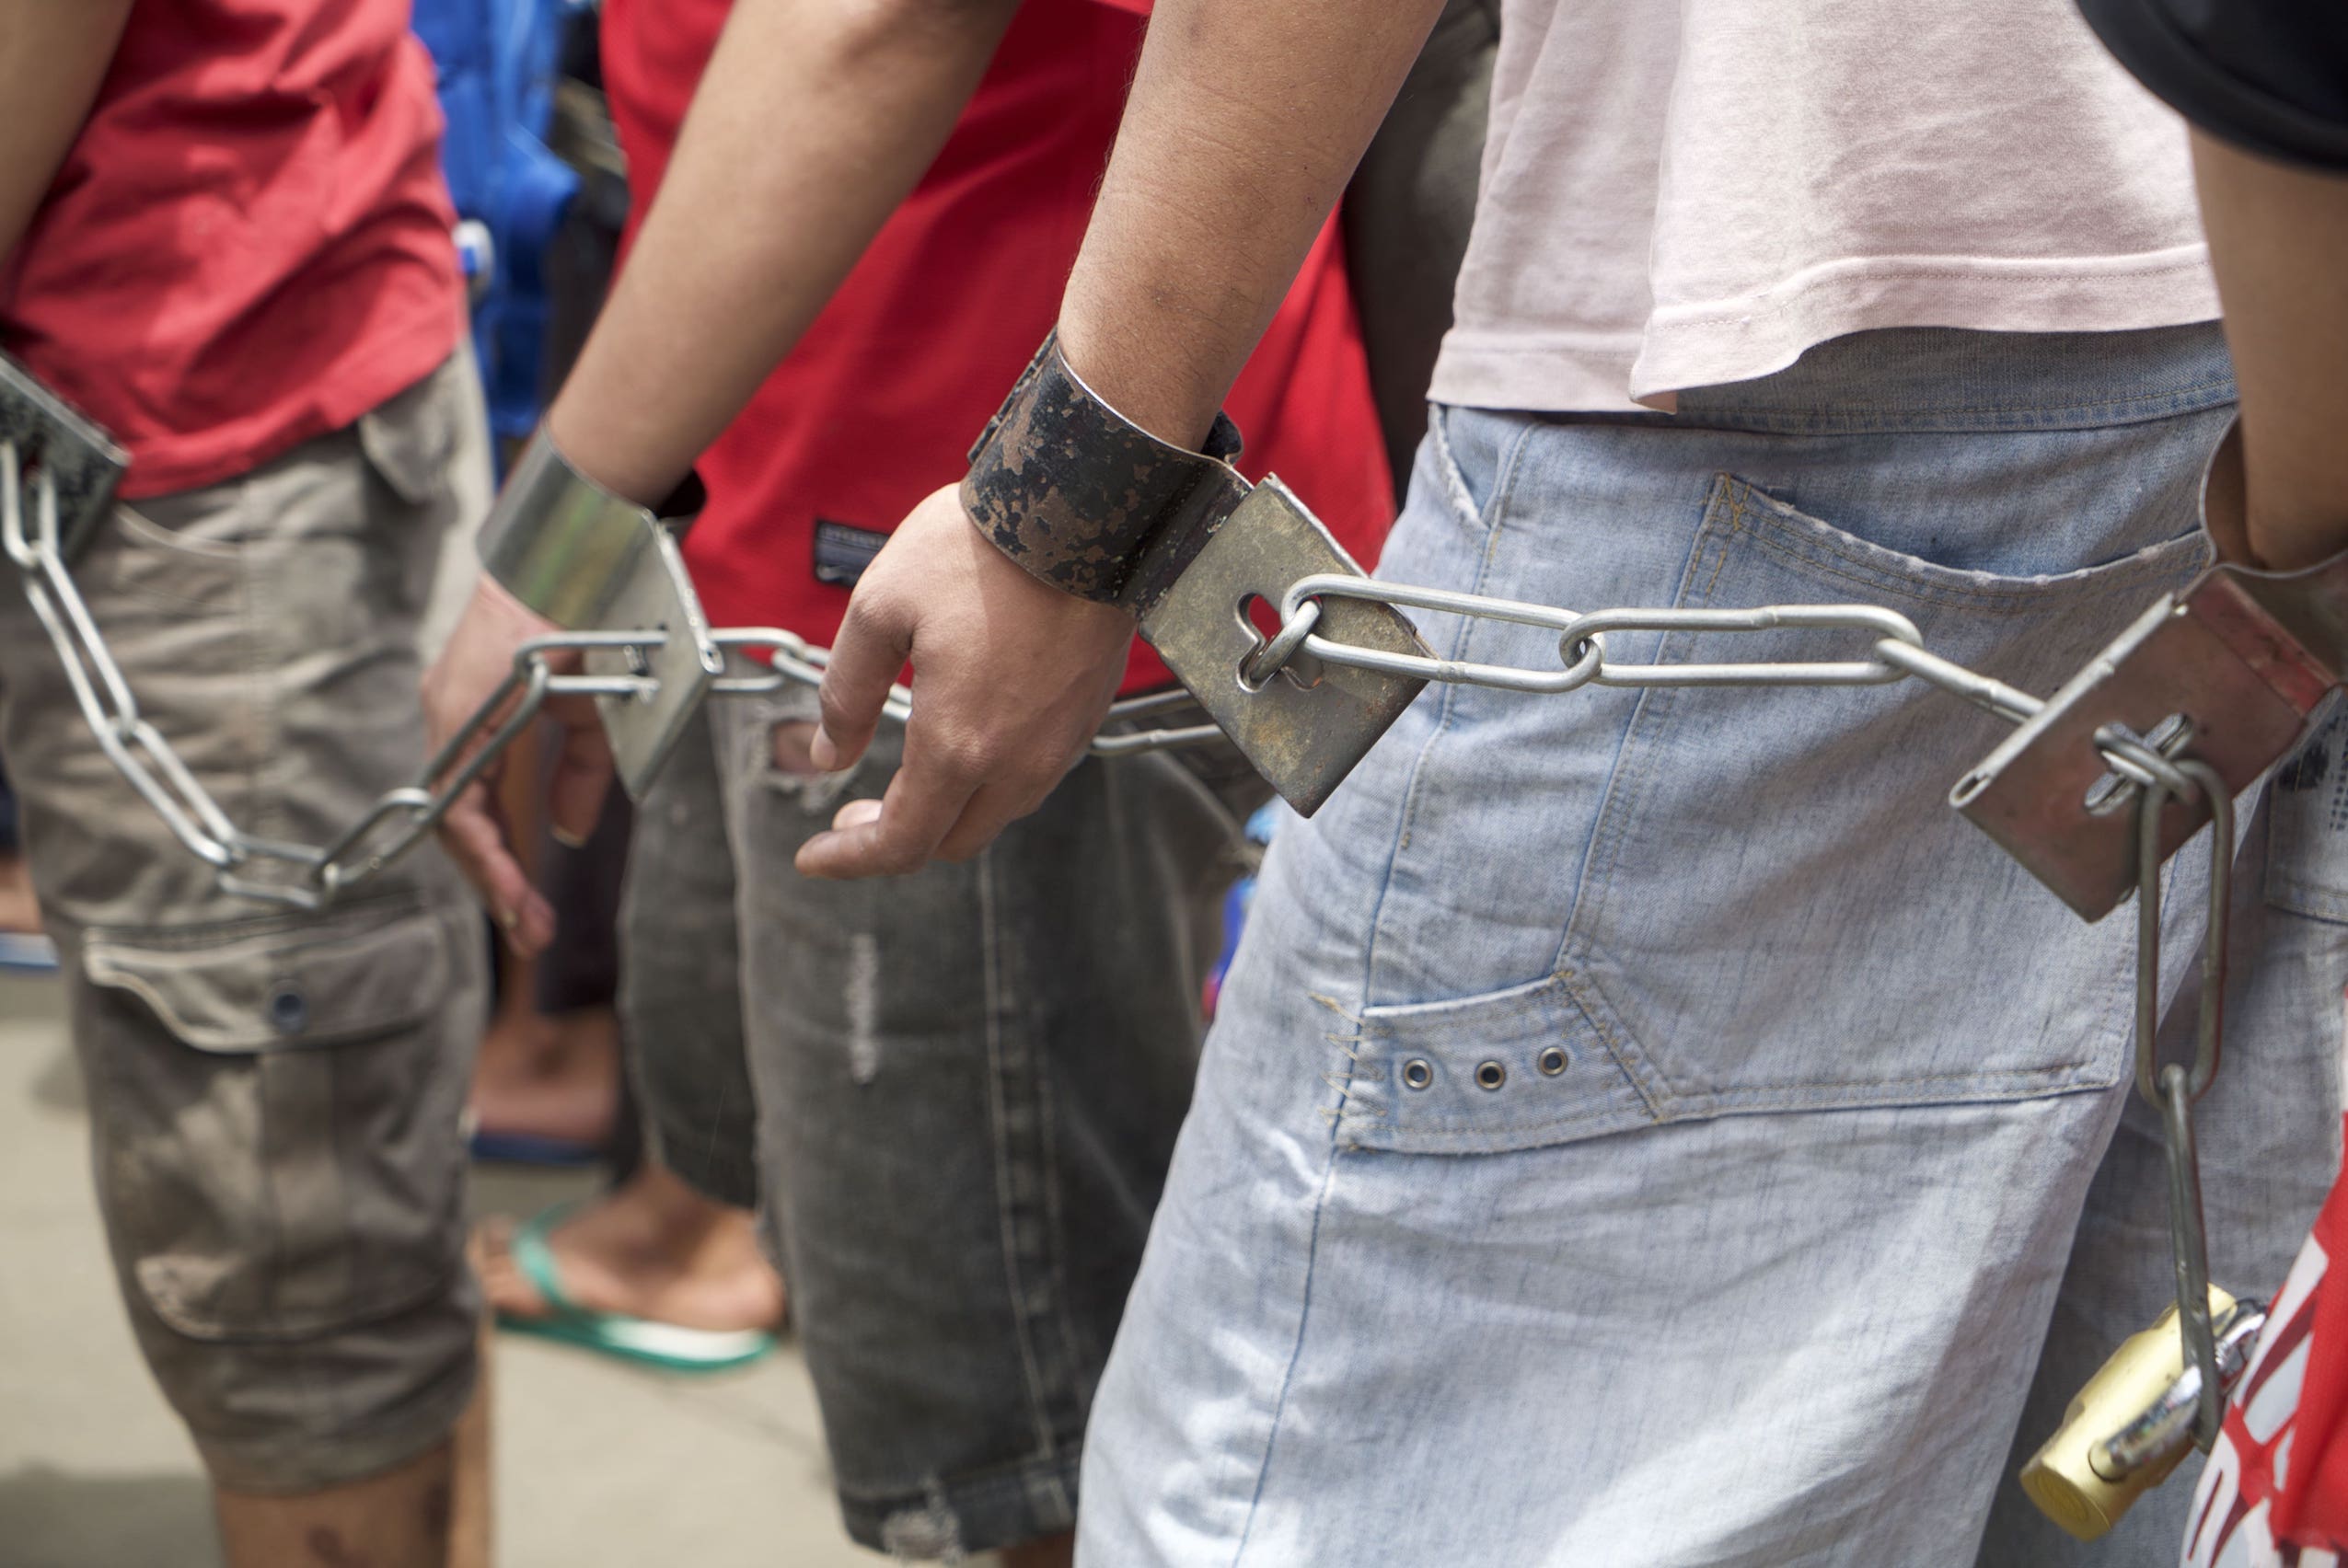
402	817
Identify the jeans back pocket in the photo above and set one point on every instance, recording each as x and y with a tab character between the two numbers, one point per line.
1780	911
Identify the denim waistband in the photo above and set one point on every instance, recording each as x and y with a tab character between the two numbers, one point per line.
1951	379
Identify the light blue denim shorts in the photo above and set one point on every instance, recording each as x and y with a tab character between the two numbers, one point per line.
1652	1127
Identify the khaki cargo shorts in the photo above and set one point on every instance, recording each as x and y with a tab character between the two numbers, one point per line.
275	1096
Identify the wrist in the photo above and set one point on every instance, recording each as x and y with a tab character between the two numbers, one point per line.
566	547
1086	500
497	603
608	448
1144	383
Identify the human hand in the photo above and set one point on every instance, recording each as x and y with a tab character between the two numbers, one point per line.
479	656
1012	677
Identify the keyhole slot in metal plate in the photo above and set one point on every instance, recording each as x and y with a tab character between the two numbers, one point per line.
1260	618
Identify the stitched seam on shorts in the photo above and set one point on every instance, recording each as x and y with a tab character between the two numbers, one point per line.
990	947
2134	409
1778	535
1496	510
1013	1478
1627	782
1296	1348
1647	1080
1510	1137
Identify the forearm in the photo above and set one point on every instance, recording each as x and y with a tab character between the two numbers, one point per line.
1246	119
2277	235
812	124
53	54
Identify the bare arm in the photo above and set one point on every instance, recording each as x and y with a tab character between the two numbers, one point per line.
2277	238
813	121
1245	123
1246	119
812	124
52	56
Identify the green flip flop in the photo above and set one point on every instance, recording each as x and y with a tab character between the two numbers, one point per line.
640	1339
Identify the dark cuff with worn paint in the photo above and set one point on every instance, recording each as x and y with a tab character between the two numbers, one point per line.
1086	500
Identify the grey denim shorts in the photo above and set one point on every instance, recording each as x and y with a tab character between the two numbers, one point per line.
274	1097
952	1094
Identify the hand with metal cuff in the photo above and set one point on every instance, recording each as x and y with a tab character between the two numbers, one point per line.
479	656
773	193
1012	677
1010	674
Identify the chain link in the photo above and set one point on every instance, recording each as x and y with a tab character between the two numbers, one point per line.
402	817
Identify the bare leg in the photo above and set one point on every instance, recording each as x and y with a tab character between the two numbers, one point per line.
433	1512
653	1248
398	1519
551	1077
19	909
472	1542
1052	1552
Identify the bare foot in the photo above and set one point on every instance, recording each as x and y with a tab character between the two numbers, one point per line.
19	911
549	1078
653	1248
1052	1552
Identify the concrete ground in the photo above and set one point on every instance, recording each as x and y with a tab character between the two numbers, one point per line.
598	1464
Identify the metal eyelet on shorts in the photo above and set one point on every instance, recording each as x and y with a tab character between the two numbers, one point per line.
1552	1061
1491	1075
288	1009
1416	1073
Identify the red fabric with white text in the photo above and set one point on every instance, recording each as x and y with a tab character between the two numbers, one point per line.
2274	1493
878	403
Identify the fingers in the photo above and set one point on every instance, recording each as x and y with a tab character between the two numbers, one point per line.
476	840
933	810
582	777
873	644
898	834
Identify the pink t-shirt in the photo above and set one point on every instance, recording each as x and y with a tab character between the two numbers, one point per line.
1685	192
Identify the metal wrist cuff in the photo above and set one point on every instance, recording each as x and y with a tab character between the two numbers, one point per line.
588	561
567	547
1086	500
1093	505
2228	668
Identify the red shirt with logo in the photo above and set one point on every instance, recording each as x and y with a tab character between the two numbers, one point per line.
248	243
879	402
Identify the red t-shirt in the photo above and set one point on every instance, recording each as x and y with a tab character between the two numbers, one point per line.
249	244
879	402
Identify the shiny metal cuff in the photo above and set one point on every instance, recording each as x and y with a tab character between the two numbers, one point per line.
567	547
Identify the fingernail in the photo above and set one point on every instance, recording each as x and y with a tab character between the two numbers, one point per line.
511	919
567	838
823	754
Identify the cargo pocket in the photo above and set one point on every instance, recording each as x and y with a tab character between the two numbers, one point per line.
280	1158
1779	910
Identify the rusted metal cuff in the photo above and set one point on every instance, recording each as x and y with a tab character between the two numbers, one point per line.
1086	500
2228	670
569	548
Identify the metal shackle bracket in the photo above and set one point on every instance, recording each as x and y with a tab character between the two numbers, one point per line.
80	464
2231	668
589	560
1083	499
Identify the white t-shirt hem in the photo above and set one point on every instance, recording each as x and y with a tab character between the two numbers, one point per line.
1717	341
